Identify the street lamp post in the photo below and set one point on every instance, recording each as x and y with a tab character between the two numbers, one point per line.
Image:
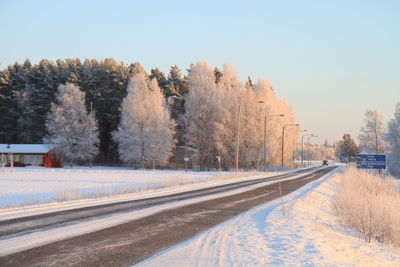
265	135
308	142
302	147
283	138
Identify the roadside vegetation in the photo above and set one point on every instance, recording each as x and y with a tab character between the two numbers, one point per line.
370	204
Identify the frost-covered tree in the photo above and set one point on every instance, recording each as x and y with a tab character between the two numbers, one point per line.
393	142
70	127
220	111
273	105
230	96
145	132
202	112
371	135
251	130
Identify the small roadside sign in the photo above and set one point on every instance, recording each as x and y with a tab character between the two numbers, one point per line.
371	161
186	158
344	159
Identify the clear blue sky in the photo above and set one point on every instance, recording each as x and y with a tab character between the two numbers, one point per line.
330	60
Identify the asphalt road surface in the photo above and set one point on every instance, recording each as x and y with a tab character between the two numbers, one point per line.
132	242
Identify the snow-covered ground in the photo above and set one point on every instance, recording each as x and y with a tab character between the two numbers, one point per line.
35	185
30	185
18	243
307	235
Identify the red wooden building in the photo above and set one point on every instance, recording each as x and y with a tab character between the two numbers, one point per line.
30	155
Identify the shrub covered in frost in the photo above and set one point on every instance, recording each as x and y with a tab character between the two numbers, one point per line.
370	204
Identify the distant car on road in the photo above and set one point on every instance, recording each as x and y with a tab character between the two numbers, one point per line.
324	162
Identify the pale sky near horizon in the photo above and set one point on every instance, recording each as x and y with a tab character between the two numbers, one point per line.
330	60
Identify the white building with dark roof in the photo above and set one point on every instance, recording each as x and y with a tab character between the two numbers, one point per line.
30	154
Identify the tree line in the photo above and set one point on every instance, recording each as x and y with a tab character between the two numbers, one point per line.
27	91
140	118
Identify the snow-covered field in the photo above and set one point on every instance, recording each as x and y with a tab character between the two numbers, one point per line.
34	185
307	235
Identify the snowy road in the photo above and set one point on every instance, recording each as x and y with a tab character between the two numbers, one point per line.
177	220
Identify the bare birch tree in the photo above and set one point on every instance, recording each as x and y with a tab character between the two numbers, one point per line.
371	135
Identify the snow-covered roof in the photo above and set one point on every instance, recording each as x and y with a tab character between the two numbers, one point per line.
26	148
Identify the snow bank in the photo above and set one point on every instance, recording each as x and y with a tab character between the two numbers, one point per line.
307	235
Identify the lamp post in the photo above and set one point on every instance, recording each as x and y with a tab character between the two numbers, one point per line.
283	137
308	142
302	147
265	135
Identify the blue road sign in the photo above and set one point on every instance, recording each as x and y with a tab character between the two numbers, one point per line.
371	161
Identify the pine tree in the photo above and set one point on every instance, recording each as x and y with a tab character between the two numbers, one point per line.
13	82
177	82
249	83
70	127
163	82
371	135
26	125
218	75
44	87
145	132
104	83
393	141
178	87
8	104
347	146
